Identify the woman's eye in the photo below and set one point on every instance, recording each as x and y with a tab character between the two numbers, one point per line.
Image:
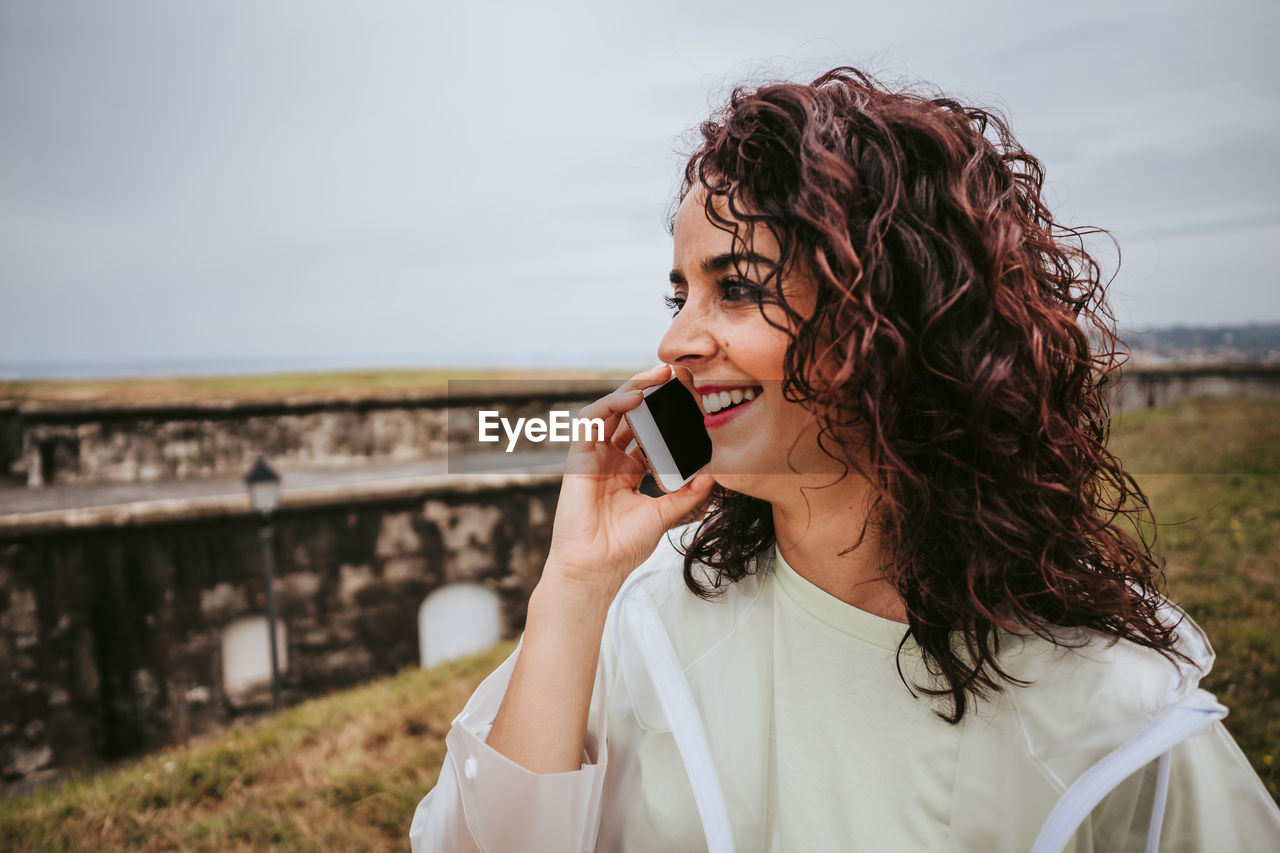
739	290
675	303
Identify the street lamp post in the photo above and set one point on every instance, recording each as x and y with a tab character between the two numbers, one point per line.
264	492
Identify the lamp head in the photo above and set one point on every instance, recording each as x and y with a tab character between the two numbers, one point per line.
264	487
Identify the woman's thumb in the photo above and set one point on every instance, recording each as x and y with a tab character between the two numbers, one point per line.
675	506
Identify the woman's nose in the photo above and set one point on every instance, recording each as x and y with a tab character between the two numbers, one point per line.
688	338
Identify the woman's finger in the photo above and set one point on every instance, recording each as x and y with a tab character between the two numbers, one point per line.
609	410
636	463
674	507
636	452
611	407
645	378
623	435
624	399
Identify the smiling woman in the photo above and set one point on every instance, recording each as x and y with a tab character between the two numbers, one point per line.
898	610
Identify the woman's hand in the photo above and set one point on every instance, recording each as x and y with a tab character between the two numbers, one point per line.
604	527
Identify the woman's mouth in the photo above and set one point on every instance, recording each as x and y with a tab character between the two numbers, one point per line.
722	404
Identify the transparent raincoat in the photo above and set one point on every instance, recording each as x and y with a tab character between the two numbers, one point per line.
1111	748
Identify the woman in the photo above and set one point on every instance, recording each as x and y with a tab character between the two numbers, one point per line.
900	613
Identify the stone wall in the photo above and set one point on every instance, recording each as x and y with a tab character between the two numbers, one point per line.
111	632
1152	387
51	443
45	443
10	438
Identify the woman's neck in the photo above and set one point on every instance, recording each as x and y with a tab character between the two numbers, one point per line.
813	527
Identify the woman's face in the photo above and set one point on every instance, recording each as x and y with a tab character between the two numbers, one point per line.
721	345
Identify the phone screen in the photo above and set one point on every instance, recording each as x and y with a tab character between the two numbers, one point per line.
680	421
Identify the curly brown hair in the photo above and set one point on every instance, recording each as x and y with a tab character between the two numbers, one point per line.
962	339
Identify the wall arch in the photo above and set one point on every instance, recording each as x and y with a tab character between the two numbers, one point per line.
246	653
457	620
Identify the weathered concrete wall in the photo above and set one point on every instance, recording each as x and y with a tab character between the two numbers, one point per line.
111	634
71	443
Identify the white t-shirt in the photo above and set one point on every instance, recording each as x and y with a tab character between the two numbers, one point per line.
856	762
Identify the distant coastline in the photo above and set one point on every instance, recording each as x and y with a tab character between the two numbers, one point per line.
1253	343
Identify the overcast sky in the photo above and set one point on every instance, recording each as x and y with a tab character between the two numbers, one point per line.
414	182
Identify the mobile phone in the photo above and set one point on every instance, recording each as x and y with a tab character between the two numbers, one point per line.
668	427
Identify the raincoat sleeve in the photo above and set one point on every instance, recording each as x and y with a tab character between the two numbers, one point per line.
483	801
1214	801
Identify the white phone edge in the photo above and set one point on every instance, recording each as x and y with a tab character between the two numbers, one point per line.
661	464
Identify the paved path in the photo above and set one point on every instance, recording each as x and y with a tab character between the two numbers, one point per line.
16	499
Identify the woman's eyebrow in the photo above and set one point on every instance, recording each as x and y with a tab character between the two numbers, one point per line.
722	262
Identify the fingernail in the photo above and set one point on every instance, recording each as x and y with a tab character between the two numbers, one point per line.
635	392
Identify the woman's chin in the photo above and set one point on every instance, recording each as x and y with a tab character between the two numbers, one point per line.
768	480
740	473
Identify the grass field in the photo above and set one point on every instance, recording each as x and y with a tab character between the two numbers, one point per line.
1211	470
344	772
339	773
269	386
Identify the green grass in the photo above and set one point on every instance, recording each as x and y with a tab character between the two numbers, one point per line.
339	773
1210	468
345	772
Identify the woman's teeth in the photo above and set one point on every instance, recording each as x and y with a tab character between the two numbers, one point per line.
717	400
